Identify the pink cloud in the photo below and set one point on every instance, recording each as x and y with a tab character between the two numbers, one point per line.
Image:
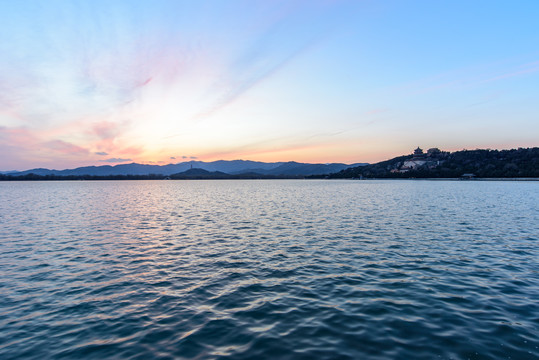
17	136
131	150
107	129
22	148
116	160
64	147
109	138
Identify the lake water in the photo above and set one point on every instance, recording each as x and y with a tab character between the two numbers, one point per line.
269	270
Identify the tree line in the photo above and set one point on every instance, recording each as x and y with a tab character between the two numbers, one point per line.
483	163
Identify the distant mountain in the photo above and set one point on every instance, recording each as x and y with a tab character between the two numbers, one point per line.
233	167
481	163
293	168
201	174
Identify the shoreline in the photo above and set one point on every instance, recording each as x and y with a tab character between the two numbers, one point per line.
277	178
447	179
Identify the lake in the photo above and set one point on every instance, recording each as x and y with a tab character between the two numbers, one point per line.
269	269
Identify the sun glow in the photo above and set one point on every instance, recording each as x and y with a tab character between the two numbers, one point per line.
106	83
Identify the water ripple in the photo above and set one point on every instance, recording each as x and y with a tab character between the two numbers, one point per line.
269	269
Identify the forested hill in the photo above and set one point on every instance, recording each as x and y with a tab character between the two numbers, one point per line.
515	163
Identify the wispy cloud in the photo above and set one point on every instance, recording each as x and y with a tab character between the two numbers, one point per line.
265	55
106	136
233	89
107	129
524	69
65	147
115	160
111	81
23	148
470	77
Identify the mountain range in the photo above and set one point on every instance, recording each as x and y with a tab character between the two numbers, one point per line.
230	167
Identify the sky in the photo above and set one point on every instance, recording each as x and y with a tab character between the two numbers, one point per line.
157	82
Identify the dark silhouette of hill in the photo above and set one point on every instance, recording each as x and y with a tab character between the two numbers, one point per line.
514	163
201	174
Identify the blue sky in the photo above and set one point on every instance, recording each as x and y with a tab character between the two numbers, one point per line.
106	82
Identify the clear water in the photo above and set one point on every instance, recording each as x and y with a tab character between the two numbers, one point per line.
269	270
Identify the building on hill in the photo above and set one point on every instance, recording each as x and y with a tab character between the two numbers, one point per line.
420	159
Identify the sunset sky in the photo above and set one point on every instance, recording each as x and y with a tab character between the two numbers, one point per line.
108	82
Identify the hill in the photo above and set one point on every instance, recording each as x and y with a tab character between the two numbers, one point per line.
201	174
514	163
